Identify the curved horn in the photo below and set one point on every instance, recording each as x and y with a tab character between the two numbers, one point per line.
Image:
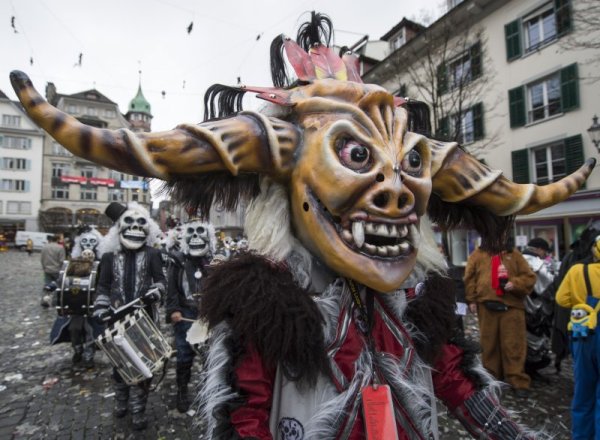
459	177
247	142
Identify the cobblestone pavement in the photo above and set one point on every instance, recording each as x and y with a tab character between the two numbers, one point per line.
43	397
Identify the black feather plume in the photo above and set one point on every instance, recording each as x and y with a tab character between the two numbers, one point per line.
200	192
319	30
221	101
419	117
278	70
492	228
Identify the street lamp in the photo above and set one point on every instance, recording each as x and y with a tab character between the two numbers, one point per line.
594	132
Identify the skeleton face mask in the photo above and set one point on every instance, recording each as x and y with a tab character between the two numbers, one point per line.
133	229
197	238
88	241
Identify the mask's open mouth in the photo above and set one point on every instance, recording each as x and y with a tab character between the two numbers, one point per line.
134	235
393	239
196	244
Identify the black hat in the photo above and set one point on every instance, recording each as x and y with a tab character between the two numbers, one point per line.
539	243
115	210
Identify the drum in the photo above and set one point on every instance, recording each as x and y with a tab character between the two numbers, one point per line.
76	288
135	347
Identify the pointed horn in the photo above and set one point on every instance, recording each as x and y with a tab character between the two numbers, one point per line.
459	177
247	142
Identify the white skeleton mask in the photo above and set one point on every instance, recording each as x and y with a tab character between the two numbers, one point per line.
197	236
88	241
133	229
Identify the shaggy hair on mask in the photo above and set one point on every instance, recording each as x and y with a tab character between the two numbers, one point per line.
267	310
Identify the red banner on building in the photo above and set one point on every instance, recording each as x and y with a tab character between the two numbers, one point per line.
99	181
73	179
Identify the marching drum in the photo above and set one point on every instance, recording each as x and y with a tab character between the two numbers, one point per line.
135	347
76	288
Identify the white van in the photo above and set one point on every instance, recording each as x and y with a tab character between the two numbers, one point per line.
39	239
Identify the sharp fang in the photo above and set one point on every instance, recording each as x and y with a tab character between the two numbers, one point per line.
382	230
393	250
382	251
369	228
347	235
358	233
402	230
415	235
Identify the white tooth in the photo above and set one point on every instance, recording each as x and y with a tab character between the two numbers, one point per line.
369	228
393	250
414	235
382	250
347	235
393	231
358	232
402	230
382	230
404	246
370	248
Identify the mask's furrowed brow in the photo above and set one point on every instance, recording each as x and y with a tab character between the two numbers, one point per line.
324	105
379	108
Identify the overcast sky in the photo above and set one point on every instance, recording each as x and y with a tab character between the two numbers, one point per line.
117	38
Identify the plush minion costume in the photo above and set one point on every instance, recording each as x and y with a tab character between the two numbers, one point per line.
580	291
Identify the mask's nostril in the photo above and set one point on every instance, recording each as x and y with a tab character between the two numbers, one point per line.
402	200
381	200
380	177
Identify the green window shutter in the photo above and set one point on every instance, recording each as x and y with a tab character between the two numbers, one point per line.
562	11
476	60
442	79
512	33
478	132
520	166
574	154
516	105
569	88
443	128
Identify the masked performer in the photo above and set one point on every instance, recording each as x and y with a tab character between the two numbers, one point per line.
188	268
130	269
76	284
342	176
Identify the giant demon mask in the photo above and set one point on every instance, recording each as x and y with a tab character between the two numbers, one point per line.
358	165
199	239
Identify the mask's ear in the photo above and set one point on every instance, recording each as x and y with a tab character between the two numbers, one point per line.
245	143
467	192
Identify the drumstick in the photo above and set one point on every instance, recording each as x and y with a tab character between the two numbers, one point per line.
187	319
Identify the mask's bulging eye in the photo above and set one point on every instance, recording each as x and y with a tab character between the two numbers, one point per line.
190	230
128	220
354	155
412	162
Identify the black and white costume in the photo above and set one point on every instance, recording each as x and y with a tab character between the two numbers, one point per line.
130	269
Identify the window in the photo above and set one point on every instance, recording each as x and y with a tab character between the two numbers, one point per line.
16	142
14	163
60	192
115	175
13	207
464	128
60	169
461	70
59	150
88	193
109	113
135	195
1	211
88	172
549	162
14	185
541	99
116	195
454	3
92	111
11	121
72	109
541	27
399	39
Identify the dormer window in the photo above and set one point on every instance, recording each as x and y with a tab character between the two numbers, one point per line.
398	40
